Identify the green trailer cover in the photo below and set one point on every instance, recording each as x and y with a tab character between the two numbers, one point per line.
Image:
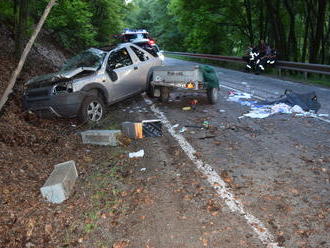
210	76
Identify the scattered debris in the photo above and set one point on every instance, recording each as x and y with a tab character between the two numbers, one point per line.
183	129
132	130
236	96
60	182
306	101
138	154
194	126
208	137
139	130
206	124
186	108
152	128
175	126
101	137
284	105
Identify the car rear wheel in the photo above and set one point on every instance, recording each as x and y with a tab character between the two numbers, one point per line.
164	94
92	109
212	95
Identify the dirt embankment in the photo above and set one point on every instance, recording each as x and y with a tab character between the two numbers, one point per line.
29	147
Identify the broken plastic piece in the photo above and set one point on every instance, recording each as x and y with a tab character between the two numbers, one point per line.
138	154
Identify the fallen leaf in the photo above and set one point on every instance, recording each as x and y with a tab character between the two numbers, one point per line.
30	225
120	244
205	242
48	229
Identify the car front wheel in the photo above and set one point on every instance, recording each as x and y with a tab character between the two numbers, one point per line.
92	109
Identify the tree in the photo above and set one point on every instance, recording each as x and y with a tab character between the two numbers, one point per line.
27	49
21	17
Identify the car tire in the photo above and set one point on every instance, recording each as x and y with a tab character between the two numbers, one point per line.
150	88
92	109
164	94
212	95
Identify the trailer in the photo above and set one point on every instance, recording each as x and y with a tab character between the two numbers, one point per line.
199	78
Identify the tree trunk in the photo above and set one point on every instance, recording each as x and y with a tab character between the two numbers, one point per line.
278	28
27	49
317	37
306	34
292	41
21	10
247	5
262	21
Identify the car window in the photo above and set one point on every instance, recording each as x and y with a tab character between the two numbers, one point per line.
146	46
130	37
140	54
118	59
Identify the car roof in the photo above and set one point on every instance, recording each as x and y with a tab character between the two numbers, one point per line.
112	47
135	31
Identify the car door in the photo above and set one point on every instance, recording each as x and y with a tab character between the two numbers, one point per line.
122	72
143	62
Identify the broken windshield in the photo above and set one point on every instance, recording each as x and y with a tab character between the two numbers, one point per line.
88	58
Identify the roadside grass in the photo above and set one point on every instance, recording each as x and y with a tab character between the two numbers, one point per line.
105	123
314	79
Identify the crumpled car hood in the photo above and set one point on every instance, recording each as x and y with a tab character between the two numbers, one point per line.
49	79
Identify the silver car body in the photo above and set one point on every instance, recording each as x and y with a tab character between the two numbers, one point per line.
62	93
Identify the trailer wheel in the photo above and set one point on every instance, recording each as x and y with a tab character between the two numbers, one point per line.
212	95
164	94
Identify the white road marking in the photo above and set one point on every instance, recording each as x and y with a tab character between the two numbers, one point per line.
261	98
216	182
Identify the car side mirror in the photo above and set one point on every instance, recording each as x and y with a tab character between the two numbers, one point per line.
112	74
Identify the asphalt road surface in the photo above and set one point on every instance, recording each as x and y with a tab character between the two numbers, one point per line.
263	86
242	182
271	176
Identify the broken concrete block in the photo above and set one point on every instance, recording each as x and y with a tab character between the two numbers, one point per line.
60	183
146	128
132	130
101	137
152	128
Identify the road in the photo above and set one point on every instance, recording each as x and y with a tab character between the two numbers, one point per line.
242	182
276	170
263	86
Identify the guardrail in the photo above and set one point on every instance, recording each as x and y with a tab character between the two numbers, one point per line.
280	65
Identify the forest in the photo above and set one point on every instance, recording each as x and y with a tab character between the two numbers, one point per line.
298	29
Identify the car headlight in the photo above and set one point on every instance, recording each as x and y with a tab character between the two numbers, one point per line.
62	88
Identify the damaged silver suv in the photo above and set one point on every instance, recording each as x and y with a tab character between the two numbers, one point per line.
91	80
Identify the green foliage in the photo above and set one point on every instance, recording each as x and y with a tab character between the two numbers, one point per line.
154	16
225	27
229	27
6	10
71	21
82	23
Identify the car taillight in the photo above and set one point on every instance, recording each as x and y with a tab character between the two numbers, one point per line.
151	42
